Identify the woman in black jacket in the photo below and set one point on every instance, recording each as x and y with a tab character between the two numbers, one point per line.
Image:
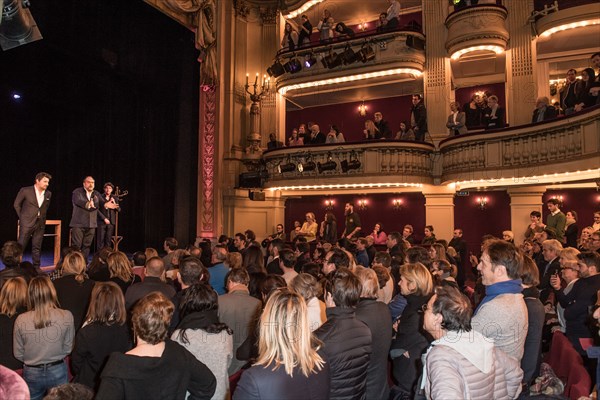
328	230
104	332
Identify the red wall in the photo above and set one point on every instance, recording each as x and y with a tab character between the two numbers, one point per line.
463	95
583	201
346	117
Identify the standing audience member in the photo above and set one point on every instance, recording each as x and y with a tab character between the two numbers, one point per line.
239	311
105	331
169	246
43	337
493	114
325	27
346	340
305	31
208	339
585	99
393	15
157	368
289	42
309	228
550	266
153	282
472	113
429	237
73	290
456	120
462	363
290	364
191	272
571	229
218	271
418	117
532	350
328	231
502	314
13	302
570	92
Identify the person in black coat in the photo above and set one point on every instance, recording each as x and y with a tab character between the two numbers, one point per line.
31	205
549	267
105	331
346	340
109	205
572	230
418	118
12	258
493	114
376	315
13	302
532	353
543	110
305	31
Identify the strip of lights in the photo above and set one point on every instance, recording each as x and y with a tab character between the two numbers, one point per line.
572	25
528	180
349	186
496	49
302	9
350	78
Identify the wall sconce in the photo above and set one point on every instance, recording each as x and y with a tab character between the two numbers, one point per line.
558	197
329	203
397	204
480	93
362	204
482	202
362	26
362	109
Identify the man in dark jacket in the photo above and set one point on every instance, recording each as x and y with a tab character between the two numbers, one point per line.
543	110
418	117
153	282
383	128
346	340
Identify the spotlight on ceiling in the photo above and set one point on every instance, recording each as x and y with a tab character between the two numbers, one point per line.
310	60
17	26
276	69
293	66
307	166
367	53
329	165
349	56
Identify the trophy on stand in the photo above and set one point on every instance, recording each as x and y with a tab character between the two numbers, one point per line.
116	239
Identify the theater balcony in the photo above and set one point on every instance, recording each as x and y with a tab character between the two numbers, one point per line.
562	150
385	60
367	165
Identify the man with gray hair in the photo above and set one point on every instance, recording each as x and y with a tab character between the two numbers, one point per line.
218	271
543	110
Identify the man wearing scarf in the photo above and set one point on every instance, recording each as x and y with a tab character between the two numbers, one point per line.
502	314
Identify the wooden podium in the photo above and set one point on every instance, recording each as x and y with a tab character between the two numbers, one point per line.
57	224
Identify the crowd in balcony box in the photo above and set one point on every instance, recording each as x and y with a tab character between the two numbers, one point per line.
450	323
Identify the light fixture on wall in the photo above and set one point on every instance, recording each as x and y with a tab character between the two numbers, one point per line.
397	204
329	203
362	26
558	197
362	204
482	202
362	109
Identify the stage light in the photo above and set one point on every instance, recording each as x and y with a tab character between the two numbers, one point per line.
276	69
352	164
307	166
310	60
289	167
366	53
329	165
293	66
17	26
332	60
349	56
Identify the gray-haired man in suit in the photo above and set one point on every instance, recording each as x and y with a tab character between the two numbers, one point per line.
31	205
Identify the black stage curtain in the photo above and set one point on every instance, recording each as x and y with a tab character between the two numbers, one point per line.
111	91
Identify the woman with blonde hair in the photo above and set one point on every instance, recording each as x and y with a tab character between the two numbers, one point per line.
121	271
233	260
150	252
289	365
73	289
104	331
411	340
370	131
309	227
13	302
43	337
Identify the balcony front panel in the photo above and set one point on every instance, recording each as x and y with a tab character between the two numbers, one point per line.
548	152
567	19
376	164
477	28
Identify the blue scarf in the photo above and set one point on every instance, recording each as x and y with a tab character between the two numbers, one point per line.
512	286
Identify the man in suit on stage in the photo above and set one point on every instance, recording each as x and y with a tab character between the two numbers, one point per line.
86	212
31	206
109	205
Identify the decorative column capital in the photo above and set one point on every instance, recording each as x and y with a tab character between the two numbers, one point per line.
268	15
241	9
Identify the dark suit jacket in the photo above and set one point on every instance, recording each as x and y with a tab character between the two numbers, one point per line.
550	113
26	206
384	131
109	213
493	123
318	139
83	217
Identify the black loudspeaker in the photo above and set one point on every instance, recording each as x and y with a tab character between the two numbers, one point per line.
256	196
250	180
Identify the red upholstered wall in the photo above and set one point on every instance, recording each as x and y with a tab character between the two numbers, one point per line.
379	209
463	95
346	117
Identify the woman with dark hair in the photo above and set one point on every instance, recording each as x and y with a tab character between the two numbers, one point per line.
289	42
74	287
43	337
253	260
405	133
334	135
98	270
329	228
13	302
585	99
343	31
157	368
12	257
104	331
206	256
473	113
208	339
378	235
429	235
571	229
305	31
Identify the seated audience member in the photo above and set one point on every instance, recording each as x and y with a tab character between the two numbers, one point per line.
418	117
12	257
405	133
543	110
73	289
443	273
462	363
294	232
346	340
153	282
307	286
157	368
70	391
290	363
456	120
493	114
105	331
295	140
550	266
287	262
316	136
343	31
43	337
121	271
508	236
407	232
585	99
377	317
203	335
502	314
191	271
170	245
473	113
334	135
378	235
273	143
429	237
274	250
382	126
302	255
370	131
305	31
13	302
289	42
416	286
218	271
532	350
238	310
580	299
